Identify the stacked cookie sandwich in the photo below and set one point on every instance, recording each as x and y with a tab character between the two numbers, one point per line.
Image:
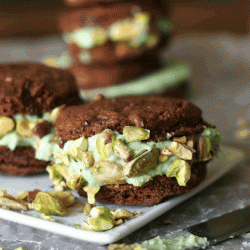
113	41
31	97
133	150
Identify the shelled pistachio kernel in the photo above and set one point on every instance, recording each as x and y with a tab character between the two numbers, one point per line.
49	205
91	192
124	152
22	195
105	142
181	170
142	164
88	159
79	145
12	204
182	139
24	128
135	134
180	151
122	214
108	172
87	208
100	36
65	197
6	125
204	149
55	113
75	181
63	158
121	31
54	175
101	219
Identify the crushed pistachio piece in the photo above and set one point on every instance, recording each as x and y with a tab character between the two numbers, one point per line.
124	152
7	124
65	197
91	192
47	217
74	181
79	145
63	158
179	150
24	128
88	159
54	175
12	204
135	134
122	214
22	195
87	208
181	139
204	149
55	113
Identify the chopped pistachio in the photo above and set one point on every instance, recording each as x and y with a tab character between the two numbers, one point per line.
63	158
54	175
21	196
86	226
49	205
12	204
135	134
91	192
88	159
181	170
118	222
204	149
3	193
47	217
190	141
79	145
100	219
100	36
124	152
166	152
24	128
181	139
122	214
108	172
55	113
179	150
142	164
87	208
162	158
105	142
124	247
65	197
6	125
74	181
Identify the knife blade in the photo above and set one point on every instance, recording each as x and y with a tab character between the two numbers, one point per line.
223	227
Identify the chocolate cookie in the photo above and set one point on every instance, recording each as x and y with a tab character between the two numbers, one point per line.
106	34
133	150
30	96
91	77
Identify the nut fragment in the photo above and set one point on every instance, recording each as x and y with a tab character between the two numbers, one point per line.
65	197
88	159
49	205
54	175
190	141
142	164
108	172
135	134
122	214
74	181
125	153
55	113
124	247
181	139
105	142
41	129
63	158
91	192
204	149
6	125
180	151
79	145
24	128
166	152
162	158
12	204
22	195
181	170
87	208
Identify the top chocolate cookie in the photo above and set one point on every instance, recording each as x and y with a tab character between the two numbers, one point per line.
86	3
164	117
30	88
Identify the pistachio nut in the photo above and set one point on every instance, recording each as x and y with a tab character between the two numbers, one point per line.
100	219
88	159
49	205
135	134
105	142
91	192
79	145
41	129
23	195
74	181
65	197
63	158
181	170
6	125
55	113
190	141
125	247
47	217
86	226
142	17
54	175
87	208
108	172
122	214
124	152
12	204
166	152
181	151
100	36
121	31
3	193
182	139
24	128
162	158
204	149
118	222
153	40
142	164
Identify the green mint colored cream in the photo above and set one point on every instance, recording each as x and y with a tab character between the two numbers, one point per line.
138	147
13	140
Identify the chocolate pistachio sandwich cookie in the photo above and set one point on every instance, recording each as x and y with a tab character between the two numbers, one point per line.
116	32
31	97
132	150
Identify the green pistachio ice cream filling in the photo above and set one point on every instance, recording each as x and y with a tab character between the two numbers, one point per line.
138	148
13	139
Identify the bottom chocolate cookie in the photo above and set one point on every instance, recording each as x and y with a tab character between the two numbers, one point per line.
152	192
20	161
